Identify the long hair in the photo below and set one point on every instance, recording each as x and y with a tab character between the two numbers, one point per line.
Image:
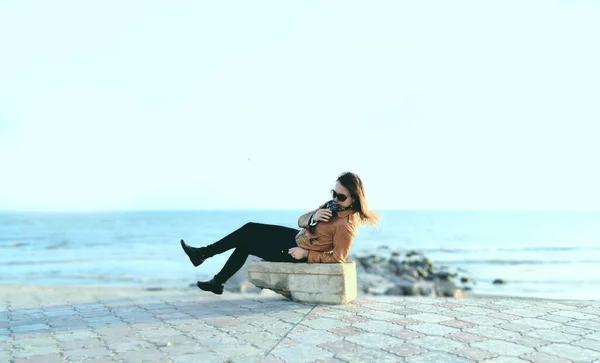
353	183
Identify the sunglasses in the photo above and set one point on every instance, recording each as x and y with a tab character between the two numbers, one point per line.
338	196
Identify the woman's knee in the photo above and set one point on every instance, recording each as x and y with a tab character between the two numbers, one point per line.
254	225
249	230
250	226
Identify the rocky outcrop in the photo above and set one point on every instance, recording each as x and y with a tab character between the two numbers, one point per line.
410	273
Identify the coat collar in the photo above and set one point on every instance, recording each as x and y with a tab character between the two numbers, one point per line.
346	213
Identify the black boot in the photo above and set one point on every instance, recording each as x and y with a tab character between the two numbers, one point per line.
196	255
212	286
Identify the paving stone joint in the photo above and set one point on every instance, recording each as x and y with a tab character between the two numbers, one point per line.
69	324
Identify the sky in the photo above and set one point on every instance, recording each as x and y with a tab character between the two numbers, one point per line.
151	105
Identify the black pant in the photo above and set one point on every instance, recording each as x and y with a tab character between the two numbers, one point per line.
269	242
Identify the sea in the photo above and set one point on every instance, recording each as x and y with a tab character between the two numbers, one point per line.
547	254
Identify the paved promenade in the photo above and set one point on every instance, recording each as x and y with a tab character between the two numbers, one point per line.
64	324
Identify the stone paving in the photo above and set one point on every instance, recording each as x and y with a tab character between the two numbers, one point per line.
68	324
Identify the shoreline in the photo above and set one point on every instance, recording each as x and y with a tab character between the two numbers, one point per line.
5	287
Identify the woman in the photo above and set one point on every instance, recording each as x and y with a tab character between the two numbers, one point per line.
325	236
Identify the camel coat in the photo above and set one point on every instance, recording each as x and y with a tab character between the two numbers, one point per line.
331	241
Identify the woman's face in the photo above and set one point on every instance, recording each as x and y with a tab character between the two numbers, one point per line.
342	190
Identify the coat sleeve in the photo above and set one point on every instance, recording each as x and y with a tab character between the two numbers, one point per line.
342	241
305	218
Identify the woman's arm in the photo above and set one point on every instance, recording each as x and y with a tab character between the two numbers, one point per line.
304	219
342	241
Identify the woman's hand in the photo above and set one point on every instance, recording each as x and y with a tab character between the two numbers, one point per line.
322	215
298	253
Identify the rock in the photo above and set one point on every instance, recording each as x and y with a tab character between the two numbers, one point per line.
372	283
375	270
395	290
380	289
409	291
424	288
408	277
411	253
443	275
445	287
360	269
418	288
498	282
367	262
413	274
395	269
422	272
458	294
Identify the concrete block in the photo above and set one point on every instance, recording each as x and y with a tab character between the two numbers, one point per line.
329	283
316	283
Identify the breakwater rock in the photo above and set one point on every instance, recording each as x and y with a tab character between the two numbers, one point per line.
405	273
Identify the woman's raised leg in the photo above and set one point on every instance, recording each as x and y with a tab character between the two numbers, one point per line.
269	242
232	240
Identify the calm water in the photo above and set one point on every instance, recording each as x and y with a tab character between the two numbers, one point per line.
542	254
